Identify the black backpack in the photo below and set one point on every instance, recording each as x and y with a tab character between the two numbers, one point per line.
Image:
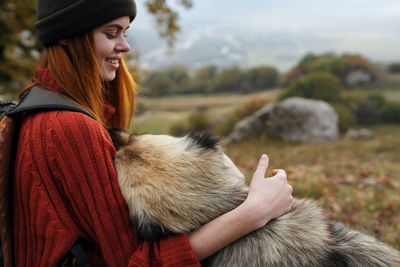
36	99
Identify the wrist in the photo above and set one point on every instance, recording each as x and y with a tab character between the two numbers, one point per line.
254	213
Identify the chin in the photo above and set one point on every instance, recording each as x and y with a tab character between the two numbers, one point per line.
109	77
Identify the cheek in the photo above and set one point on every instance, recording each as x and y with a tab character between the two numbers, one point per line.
103	48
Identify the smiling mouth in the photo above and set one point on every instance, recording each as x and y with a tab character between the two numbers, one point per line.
112	61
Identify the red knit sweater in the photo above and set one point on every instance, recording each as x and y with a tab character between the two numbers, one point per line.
66	188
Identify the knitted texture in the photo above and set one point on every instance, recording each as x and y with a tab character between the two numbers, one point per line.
62	19
66	188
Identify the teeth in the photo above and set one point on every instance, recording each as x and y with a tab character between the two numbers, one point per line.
113	61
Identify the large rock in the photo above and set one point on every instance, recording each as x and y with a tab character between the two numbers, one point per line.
295	119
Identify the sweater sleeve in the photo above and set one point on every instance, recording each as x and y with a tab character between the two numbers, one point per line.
80	155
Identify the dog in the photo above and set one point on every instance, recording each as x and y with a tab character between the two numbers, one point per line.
175	185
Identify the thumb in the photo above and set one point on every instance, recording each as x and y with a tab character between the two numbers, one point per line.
262	166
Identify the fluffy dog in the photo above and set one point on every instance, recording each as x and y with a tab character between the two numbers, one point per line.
175	185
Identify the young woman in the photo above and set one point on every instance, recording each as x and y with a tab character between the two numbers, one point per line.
65	182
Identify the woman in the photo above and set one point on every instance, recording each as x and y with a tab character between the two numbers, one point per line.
65	181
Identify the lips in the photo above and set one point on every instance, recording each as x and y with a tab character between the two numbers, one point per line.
113	62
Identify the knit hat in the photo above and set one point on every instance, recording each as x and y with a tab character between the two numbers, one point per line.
59	19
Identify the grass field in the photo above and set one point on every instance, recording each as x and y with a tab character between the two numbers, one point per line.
356	181
161	113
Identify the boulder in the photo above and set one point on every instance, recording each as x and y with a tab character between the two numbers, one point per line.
295	119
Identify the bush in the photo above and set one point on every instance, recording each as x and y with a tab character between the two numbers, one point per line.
178	129
139	109
226	126
346	117
366	106
339	66
390	112
198	122
395	67
367	112
250	107
320	85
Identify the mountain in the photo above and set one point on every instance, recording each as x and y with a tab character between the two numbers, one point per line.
276	33
219	46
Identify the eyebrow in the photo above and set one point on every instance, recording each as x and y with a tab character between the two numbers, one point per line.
119	27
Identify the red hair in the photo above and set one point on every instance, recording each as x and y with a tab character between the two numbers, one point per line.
76	70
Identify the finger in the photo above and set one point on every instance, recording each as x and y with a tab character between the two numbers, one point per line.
290	189
274	172
280	173
262	166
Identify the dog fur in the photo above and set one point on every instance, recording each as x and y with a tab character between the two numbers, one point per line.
175	185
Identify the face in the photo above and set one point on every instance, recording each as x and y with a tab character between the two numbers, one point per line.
109	44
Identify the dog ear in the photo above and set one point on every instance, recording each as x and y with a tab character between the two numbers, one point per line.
203	140
119	137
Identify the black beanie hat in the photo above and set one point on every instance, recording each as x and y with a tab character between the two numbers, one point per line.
59	19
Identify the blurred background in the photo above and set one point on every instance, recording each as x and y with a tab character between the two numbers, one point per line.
204	65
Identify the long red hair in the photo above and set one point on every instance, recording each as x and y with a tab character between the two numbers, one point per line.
76	70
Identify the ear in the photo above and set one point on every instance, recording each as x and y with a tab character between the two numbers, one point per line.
119	137
203	140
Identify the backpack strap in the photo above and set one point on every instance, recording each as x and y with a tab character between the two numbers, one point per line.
79	255
38	98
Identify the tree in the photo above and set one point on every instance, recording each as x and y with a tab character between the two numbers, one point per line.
19	49
262	77
339	66
232	79
203	81
180	77
158	84
166	17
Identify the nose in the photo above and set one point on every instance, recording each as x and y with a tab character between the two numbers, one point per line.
123	45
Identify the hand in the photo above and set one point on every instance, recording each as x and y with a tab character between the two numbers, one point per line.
268	197
232	169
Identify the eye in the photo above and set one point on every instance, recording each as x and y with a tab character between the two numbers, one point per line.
111	36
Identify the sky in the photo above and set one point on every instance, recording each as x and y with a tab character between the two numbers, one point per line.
369	27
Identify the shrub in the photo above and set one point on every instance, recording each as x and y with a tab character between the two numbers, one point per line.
250	107
395	67
346	117
320	85
340	66
198	122
390	112
226	126
178	129
368	109
139	109
367	112
373	108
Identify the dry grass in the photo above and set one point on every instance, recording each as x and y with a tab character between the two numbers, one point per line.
356	181
161	113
